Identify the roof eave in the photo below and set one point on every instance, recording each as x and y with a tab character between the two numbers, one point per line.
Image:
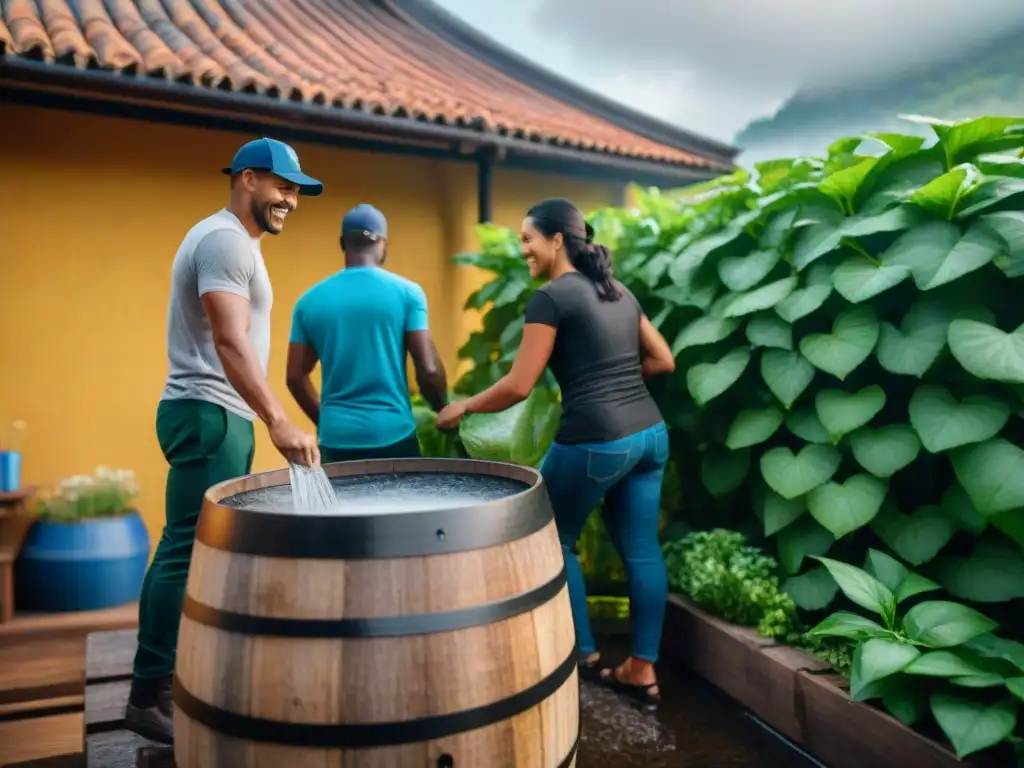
170	95
490	51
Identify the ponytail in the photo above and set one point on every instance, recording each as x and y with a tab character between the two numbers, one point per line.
594	261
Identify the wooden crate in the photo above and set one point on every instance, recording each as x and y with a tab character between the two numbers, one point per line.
108	671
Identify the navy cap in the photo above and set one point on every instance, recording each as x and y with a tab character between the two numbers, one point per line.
278	158
366	219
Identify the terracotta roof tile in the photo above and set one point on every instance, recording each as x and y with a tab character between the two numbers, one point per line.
349	54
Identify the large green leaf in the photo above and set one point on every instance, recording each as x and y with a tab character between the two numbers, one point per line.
942	195
724	471
903	583
842	508
792	476
963	141
861	587
806	425
885	451
992	473
751	427
913	348
804	538
1010	226
970	725
988	352
843	412
787	374
1011	523
960	509
706	329
992	573
777	512
765	297
848	625
853	337
906	702
876	659
741	273
803	301
937	254
942	664
811	591
824	237
709	380
694	255
858	278
843	186
917	537
943	624
942	423
520	434
991	192
769	330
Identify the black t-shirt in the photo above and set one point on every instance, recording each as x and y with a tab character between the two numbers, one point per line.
596	360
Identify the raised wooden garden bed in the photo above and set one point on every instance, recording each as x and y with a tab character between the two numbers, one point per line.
798	695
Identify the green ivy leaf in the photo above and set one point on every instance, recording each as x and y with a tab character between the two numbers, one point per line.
848	625
860	587
724	471
990	193
937	254
771	331
853	337
992	573
942	624
942	195
858	279
791	476
1015	685
988	352
752	427
958	507
709	380
907	703
941	664
843	412
520	434
992	473
885	451
777	512
842	508
804	538
741	273
706	329
972	726
912	349
811	591
1012	524
806	425
762	298
893	574
917	537
942	423
1010	226
877	659
787	374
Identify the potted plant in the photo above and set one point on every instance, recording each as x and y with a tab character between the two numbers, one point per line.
88	547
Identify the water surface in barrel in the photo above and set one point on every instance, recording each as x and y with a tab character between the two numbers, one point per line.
388	494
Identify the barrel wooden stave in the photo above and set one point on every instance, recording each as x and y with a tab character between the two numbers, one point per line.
368	680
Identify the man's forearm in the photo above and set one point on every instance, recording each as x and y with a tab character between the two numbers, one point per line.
434	388
243	371
306	396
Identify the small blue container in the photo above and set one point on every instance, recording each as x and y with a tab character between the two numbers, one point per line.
82	566
10	471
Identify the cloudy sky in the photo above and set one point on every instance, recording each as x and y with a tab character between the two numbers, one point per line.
713	65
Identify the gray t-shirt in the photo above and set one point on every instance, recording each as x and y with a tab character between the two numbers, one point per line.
216	255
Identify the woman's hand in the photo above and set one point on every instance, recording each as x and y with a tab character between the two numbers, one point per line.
451	415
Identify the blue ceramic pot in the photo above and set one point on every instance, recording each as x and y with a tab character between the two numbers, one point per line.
82	566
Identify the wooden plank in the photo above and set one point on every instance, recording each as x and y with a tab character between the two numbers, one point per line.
41	669
38	738
104	705
69	624
39	707
115	749
109	655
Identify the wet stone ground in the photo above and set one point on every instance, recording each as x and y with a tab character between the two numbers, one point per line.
695	727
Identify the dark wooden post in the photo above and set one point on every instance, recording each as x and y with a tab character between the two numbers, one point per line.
486	159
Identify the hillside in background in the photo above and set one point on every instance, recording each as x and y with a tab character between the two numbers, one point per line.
986	81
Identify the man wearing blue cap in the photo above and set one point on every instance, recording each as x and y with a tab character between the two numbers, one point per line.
359	323
218	346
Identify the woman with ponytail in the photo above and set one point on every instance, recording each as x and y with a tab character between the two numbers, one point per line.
611	442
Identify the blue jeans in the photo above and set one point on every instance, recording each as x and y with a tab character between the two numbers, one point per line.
627	474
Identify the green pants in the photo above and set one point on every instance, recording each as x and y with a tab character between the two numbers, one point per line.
406	448
204	444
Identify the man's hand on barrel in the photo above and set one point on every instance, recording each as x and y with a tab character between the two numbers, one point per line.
294	444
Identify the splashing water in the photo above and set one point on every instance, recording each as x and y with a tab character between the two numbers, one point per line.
311	489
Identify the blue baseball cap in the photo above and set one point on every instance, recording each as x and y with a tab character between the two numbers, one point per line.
366	219
278	158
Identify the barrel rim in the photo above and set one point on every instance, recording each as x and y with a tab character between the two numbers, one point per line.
443	530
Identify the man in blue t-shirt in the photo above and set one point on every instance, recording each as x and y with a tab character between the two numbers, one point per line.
359	323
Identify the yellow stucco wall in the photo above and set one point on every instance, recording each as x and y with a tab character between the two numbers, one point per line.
94	209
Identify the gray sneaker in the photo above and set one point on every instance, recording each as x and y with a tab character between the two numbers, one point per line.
164	697
152	723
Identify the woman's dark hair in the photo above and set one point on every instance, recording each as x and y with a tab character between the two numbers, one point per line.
591	259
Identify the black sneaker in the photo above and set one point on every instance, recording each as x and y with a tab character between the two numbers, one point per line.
150	722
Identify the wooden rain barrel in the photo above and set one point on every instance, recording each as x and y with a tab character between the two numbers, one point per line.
438	637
